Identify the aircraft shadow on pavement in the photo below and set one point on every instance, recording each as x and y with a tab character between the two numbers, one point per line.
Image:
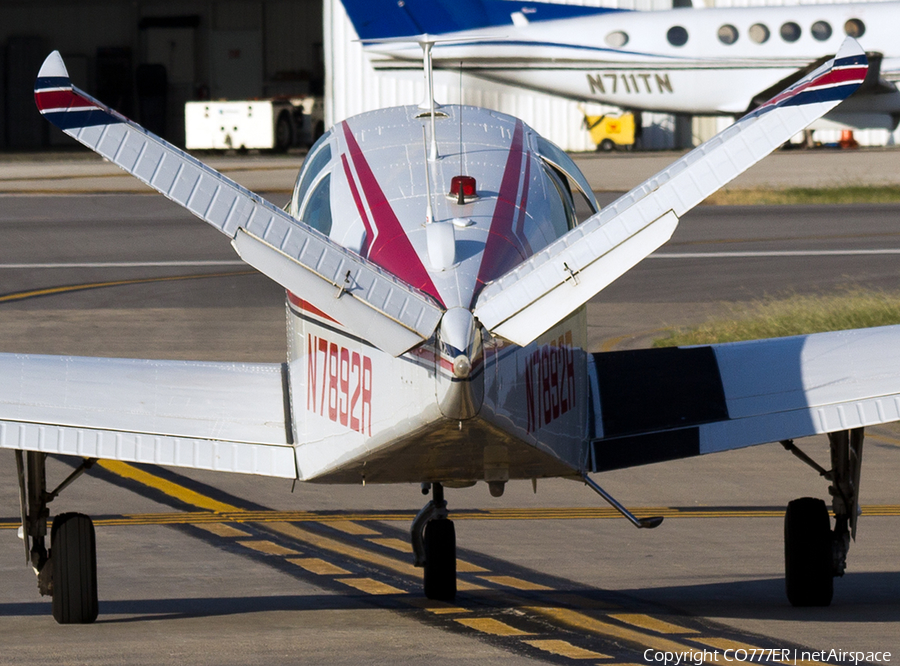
858	597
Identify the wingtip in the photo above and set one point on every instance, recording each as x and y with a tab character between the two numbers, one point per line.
849	48
53	67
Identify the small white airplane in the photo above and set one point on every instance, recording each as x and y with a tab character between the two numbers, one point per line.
436	276
705	61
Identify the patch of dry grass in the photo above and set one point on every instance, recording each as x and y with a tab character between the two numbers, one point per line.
793	315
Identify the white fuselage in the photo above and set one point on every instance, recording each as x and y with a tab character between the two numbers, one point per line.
584	58
462	406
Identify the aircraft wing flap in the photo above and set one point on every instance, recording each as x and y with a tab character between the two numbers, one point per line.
542	290
662	404
374	304
224	416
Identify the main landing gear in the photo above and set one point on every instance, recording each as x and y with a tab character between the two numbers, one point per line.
68	571
814	553
434	545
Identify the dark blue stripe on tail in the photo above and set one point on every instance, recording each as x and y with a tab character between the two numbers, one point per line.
66	120
818	96
52	82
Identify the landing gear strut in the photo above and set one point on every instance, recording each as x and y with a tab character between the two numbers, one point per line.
68	571
813	552
434	545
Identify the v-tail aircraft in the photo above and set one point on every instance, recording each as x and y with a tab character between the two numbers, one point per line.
437	274
712	61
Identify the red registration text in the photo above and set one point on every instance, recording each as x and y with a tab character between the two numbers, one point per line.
339	384
550	382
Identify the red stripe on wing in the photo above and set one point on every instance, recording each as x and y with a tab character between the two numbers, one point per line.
61	99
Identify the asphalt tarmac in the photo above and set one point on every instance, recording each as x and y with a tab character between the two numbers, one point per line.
199	568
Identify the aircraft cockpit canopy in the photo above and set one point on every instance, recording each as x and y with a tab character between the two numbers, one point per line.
311	201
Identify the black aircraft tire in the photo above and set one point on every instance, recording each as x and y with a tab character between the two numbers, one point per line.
74	559
440	560
808	559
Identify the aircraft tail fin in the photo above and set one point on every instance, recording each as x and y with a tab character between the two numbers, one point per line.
389	19
365	298
544	289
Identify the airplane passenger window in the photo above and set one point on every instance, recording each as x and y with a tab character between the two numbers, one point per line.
728	34
677	36
617	39
855	28
821	30
759	33
790	32
317	211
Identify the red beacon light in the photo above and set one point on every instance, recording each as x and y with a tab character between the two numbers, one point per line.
462	188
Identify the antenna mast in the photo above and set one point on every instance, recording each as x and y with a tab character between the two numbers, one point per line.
426	42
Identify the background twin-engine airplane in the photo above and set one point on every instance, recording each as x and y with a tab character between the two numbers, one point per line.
717	60
436	276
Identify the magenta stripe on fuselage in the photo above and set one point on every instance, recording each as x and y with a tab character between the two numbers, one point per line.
370	234
390	248
503	250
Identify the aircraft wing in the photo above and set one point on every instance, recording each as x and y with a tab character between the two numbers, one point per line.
366	299
540	291
653	405
218	416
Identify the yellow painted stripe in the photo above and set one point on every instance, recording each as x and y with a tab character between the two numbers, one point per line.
239	516
52	291
882	438
222	530
515	583
651	623
584	622
394	544
448	611
172	489
468	586
269	547
349	527
463	566
435	606
611	343
318	566
565	649
489	625
371	586
327	543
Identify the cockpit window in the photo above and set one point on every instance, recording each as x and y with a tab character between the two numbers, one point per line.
728	34
562	210
555	156
677	36
317	209
759	33
821	31
317	159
